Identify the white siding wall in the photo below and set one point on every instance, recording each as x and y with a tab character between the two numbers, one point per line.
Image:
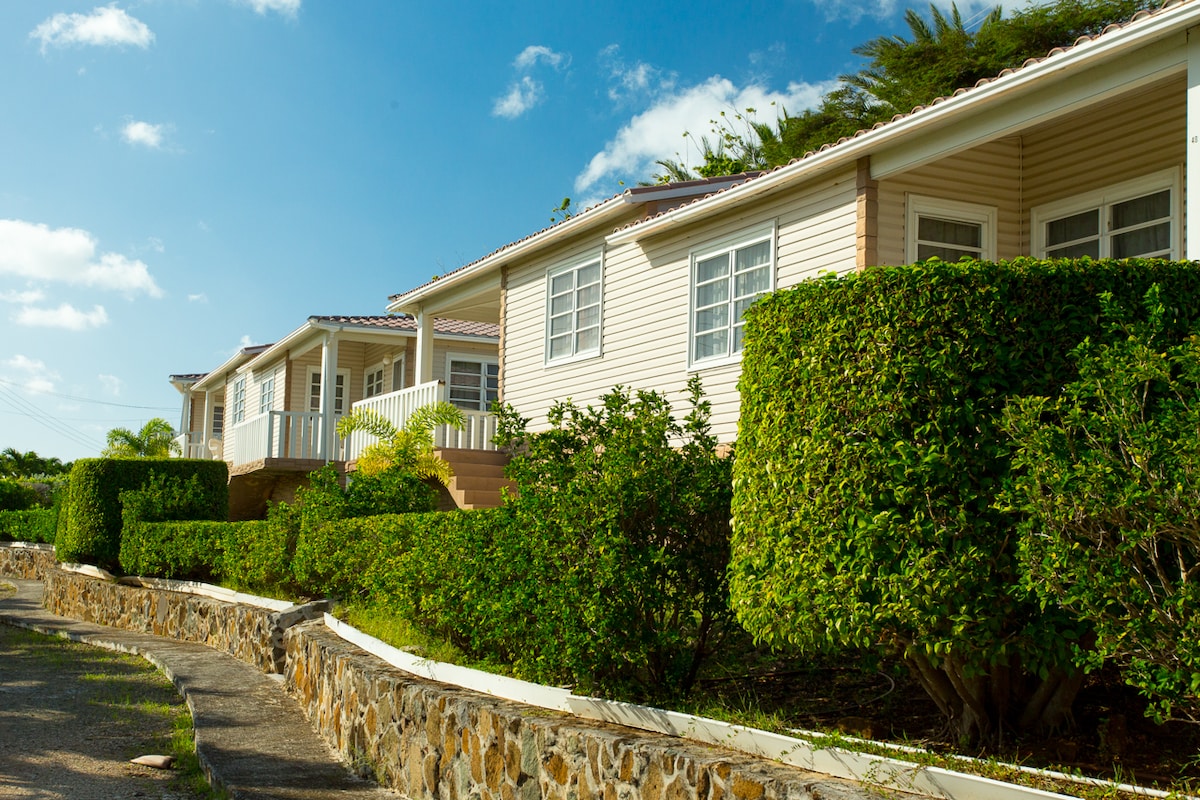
644	338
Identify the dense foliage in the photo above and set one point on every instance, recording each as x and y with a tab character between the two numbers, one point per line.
1108	480
91	518
167	498
938	56
33	525
17	495
871	455
15	464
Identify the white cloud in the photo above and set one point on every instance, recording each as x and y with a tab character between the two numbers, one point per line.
143	133
31	373
110	383
68	255
530	56
521	97
288	8
656	133
245	342
633	81
852	11
198	298
66	316
526	92
105	26
23	298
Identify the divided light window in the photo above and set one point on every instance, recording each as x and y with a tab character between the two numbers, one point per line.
373	381
474	385
238	410
218	422
573	312
1137	219
314	392
266	395
724	284
949	230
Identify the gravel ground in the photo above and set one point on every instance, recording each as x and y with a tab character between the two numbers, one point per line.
72	716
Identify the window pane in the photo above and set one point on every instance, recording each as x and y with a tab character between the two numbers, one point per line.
589	274
560	346
562	284
587	339
951	232
560	305
588	296
1155	240
712	293
738	331
1090	249
397	375
928	251
711	268
561	324
754	282
712	318
1141	209
588	317
709	345
1077	226
467	367
756	255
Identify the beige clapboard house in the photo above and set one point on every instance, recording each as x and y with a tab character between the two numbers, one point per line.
1086	151
271	411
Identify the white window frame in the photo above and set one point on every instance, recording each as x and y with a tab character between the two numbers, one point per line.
218	421
399	363
486	361
594	258
748	238
1104	199
344	374
237	403
380	368
955	211
266	394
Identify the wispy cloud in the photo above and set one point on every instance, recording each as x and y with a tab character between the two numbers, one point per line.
657	132
66	316
30	373
525	91
198	298
636	81
853	11
143	133
23	298
110	383
69	255
105	26
288	8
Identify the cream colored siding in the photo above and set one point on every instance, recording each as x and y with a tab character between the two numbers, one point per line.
1126	139
988	175
644	338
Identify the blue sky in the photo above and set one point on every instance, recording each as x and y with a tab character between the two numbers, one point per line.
182	177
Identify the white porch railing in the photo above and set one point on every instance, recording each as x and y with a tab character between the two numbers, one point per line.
191	445
398	406
278	434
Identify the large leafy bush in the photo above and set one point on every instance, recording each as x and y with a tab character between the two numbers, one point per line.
870	457
1107	475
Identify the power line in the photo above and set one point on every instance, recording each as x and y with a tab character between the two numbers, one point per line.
96	402
27	409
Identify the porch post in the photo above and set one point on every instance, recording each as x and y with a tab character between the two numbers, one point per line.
424	347
329	357
185	419
207	430
1191	194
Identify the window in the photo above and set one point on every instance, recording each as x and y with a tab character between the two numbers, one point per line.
1135	219
266	394
398	372
373	381
573	312
473	384
339	390
949	230
725	281
238	411
218	422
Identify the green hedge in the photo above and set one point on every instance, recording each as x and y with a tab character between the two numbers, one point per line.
34	525
870	457
90	529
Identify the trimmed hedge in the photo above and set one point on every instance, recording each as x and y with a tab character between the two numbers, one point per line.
34	525
870	457
90	528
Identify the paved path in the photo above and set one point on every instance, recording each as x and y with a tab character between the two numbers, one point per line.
252	738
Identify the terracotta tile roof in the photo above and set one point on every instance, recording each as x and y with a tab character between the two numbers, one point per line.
403	322
1116	26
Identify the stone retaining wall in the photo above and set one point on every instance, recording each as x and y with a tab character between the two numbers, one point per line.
430	741
26	560
252	634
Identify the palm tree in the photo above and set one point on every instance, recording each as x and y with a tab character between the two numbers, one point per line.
156	439
409	448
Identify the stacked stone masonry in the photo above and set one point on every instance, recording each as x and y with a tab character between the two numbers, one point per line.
427	740
431	741
27	561
249	633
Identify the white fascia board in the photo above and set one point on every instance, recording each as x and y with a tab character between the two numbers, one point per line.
217	376
413	299
1082	57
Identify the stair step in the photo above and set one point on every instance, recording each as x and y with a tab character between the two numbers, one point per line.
481	484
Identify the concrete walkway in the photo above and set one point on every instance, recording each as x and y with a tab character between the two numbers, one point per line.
252	739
